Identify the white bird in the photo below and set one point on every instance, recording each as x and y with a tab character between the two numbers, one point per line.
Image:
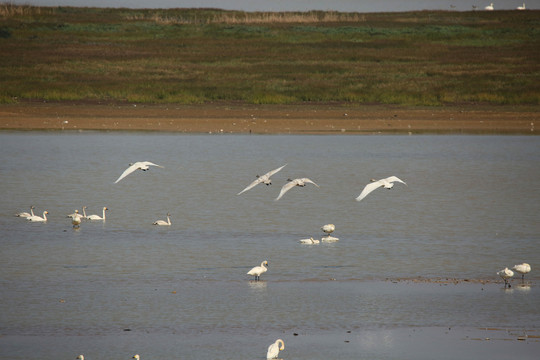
97	217
76	221
139	165
292	183
522	269
36	218
328	228
387	183
80	357
489	7
136	357
25	214
74	215
309	241
505	274
257	271
273	350
522	7
265	179
162	222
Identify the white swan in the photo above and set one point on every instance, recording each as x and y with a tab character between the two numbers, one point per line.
25	214
292	183
309	241
257	271
136	357
328	228
80	357
265	179
273	350
489	7
139	165
505	274
522	7
74	215
162	222
522	269
329	239
36	218
387	183
97	217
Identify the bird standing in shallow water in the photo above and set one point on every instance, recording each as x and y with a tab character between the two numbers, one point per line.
522	269
506	274
257	271
273	350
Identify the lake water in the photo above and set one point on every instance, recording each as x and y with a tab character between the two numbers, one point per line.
112	289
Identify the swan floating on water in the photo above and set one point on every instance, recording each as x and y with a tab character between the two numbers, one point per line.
163	222
139	165
80	357
97	217
36	218
292	183
25	214
257	271
273	350
265	179
522	269
387	183
489	7
309	241
505	274
522	7
136	357
329	239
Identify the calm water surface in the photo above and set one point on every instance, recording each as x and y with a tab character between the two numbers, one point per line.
470	209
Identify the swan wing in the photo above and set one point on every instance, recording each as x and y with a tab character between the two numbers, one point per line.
148	163
394	179
252	185
288	186
128	171
270	173
368	189
306	180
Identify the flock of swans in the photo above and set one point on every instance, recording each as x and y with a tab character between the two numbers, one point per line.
506	274
491	7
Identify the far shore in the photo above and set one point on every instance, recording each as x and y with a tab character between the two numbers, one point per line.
239	118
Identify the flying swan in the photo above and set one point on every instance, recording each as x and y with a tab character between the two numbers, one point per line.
387	183
273	350
292	183
257	271
36	218
265	179
163	222
139	165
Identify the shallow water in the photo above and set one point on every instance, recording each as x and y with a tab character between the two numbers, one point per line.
470	209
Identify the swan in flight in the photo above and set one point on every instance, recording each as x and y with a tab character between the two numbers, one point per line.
309	241
292	183
387	183
328	228
257	271
97	217
273	350
163	222
505	274
139	165
24	214
522	7
489	7
522	269
36	218
265	179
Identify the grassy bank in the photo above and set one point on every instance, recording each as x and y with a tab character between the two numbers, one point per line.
191	56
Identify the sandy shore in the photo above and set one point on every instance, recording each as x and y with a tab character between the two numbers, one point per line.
266	119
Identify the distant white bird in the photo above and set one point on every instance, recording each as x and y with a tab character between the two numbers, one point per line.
97	217
309	241
74	215
273	350
136	357
522	7
328	228
162	222
265	179
292	183
489	7
80	357
505	274
36	218
328	239
25	214
387	183
139	165
257	271
522	269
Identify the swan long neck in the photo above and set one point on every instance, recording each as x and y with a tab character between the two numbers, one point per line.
104	213
282	344
32	210
45	215
168	220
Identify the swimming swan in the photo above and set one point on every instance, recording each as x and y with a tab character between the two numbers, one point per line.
24	214
265	179
257	271
136	357
273	350
36	218
162	222
292	183
139	165
80	357
505	274
309	241
97	217
489	7
522	269
387	183
522	7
